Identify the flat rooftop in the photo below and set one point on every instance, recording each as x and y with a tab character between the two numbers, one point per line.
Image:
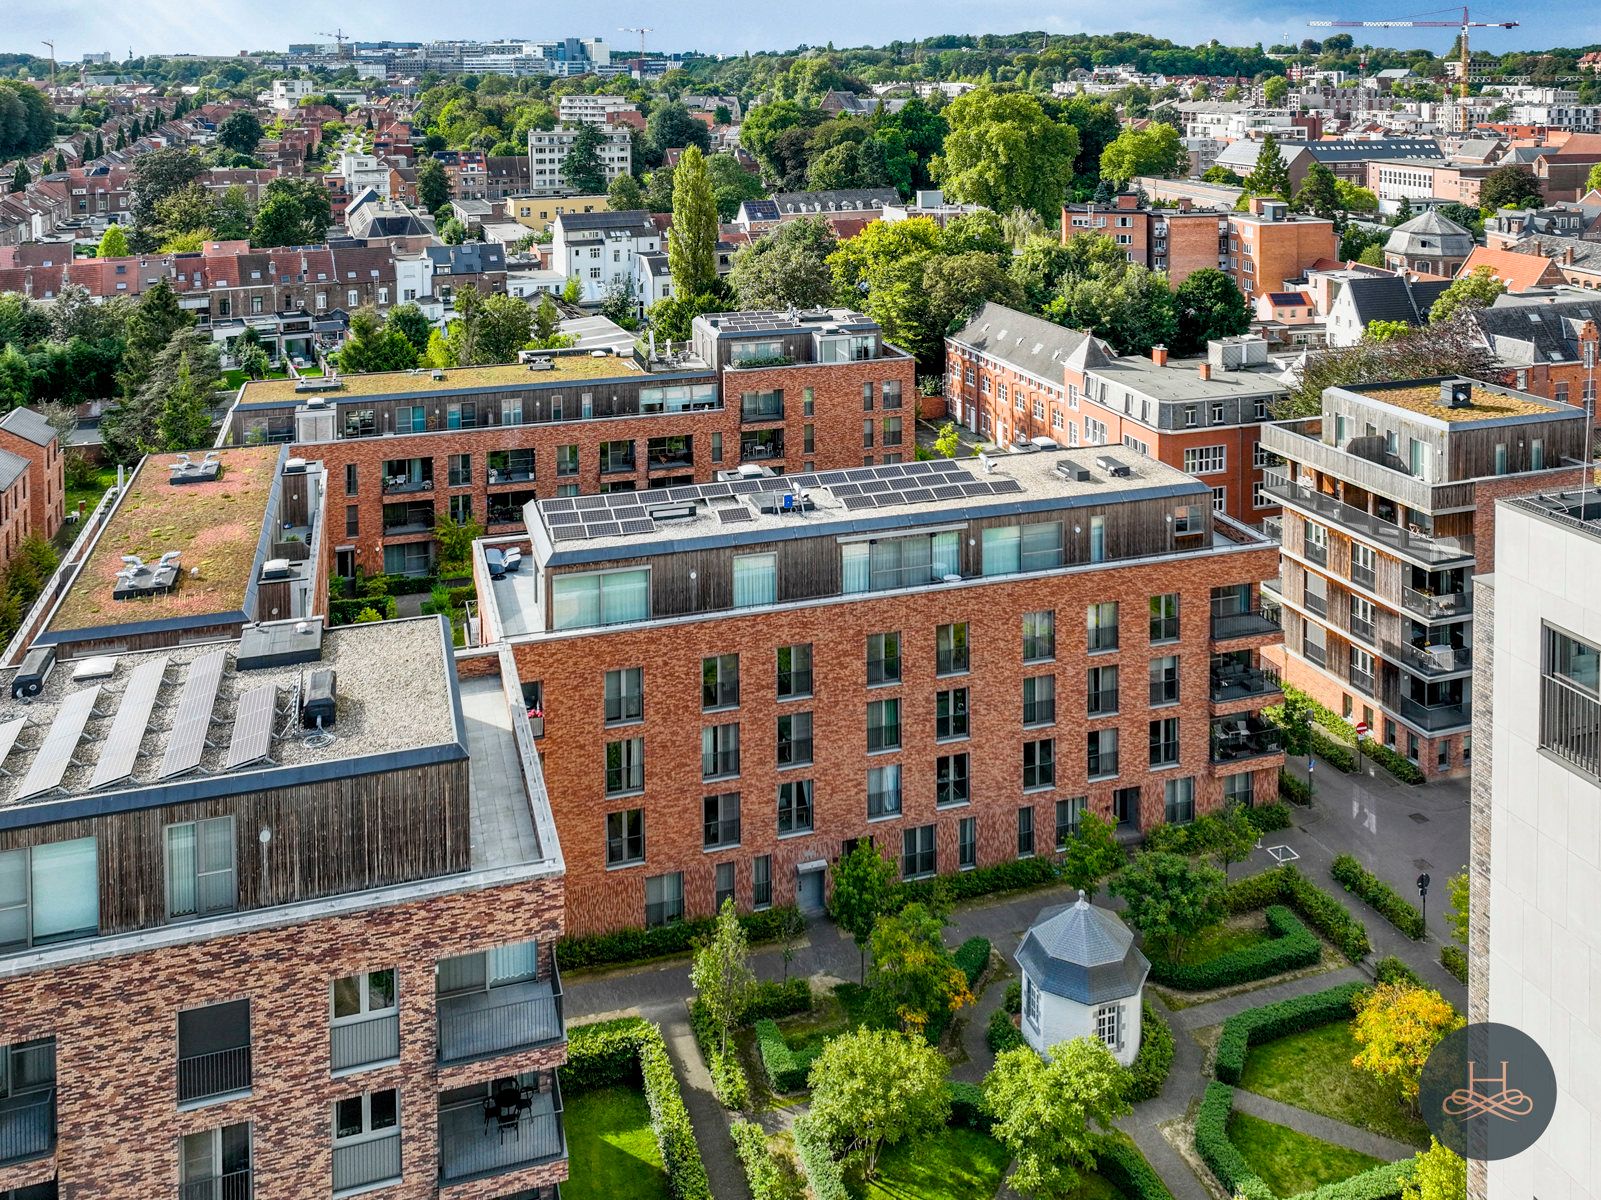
1487	402
1180	380
215	525
818	320
455	379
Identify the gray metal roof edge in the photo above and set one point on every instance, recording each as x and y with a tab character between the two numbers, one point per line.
1556	411
91	633
808	527
521	385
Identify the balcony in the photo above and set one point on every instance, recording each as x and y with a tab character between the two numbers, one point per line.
407	518
405	475
670	458
27	1126
1238	738
235	1185
511	467
365	1040
1416	547
1231	682
1315	553
367	1163
1432	607
763	406
1314	603
1435	718
1253	623
1570	724
1273	527
514	1016
207	1076
768	444
478	1139
1429	661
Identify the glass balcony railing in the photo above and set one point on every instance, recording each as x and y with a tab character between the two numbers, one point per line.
1429	660
1253	623
1405	543
1433	718
1435	607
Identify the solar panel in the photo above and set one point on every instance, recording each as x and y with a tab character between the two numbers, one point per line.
947	491
730	516
603	529
848	489
683	493
715	489
9	732
55	752
830	478
121	751
920	468
563	505
566	518
891	471
804	481
590	502
634	512
869	486
855	502
567	533
916	496
187	741
252	726
639	526
745	487
976	488
1005	486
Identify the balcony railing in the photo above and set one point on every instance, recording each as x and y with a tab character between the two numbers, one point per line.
1103	703
1314	654
499	475
1362	628
397	484
475	1143
1245	624
1570	724
371	1039
1239	683
717	834
1429	660
235	1185
363	1164
762	412
27	1126
1363	682
666	461
794	752
1315	552
1364	577
514	1016
719	763
1416	546
1437	607
1314	603
1432	718
1233	747
1273	527
220	1073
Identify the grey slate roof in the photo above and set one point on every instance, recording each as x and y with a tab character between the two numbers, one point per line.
1393	298
1429	235
469	258
759	210
631	220
1523	332
30	424
12	468
838	200
1083	953
1025	342
1362	149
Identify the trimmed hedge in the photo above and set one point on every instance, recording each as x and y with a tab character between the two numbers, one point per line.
1254	1025
973	956
786	1069
967	1106
729	1084
767	1179
1001	1034
1013	1001
1270	817
635	945
1455	960
772	1000
1293	790
1337	754
1391	969
630	1051
345	612
1286	885
1395	763
1289	946
1019	874
1155	1057
1389	903
823	1172
1122	1165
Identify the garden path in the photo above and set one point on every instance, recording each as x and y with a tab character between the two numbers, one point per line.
1315	1125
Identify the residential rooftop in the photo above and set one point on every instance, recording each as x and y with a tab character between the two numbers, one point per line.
425	381
1485	401
811	320
1180	379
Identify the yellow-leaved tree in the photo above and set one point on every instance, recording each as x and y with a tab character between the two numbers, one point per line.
1397	1025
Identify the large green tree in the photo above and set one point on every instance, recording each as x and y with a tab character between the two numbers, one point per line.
873	1088
507	325
692	239
371	345
1319	194
412	323
1131	308
914	979
786	268
113	243
1004	151
240	131
582	169
1154	150
1511	186
1170	899
433	185
862	880
293	212
1477	289
624	194
1271	175
671	126
1209	305
153	178
184	422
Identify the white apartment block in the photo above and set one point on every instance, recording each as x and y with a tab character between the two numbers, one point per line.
547	149
288	93
601	250
1580	118
591	110
361	171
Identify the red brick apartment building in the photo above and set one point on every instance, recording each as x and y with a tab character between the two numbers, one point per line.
405	451
1015	378
1388	513
952	661
32	479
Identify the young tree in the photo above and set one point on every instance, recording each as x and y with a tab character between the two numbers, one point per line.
1271	175
113	243
1458	889
1438	1173
1231	838
254	363
1004	151
433	185
456	540
452	232
914	977
1275	90
505	326
185	420
1477	289
862	881
21	177
1396	1026
624	194
1592	181
873	1088
582	168
151	326
546	322
1091	854
947	441
1169	898
1020	226
786	268
373	346
1217	174
240	131
721	974
1319	194
692	240
1209	305
791	926
411	323
1053	1115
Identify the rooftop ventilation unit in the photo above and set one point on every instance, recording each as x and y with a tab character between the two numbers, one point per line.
278	644
321	709
1071	471
1456	393
277	568
101	666
139	578
1112	467
294	466
319	383
36	666
184	469
673	512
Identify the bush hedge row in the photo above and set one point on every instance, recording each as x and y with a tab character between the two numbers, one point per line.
1455	960
1395	763
1270	1021
967	1106
1121	1164
1270	817
729	1084
630	1051
1290	945
786	1069
1389	903
823	1171
634	945
1286	885
1293	790
345	612
771	999
1001	1034
1154	1059
1337	754
1019	874
1391	969
767	1178
973	956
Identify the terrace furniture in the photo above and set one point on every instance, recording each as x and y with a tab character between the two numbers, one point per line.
513	559
496	561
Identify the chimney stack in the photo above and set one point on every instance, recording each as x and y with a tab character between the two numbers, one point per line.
1159	355
1204	370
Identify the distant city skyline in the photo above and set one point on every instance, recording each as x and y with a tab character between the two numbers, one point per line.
216	27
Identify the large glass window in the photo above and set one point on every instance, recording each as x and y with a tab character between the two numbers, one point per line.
1069	813
951	785
625	837
719	681
1039	636
664	899
967	843
1101	761
719	751
794	670
1012	548
625	695
625	766
884	658
1164	680
755	579
1165	617
1039	764
884	725
884	791
895	562
1025	831
794	739
795	806
579	601
1102	695
918	852
200	867
1039	700
761	881
720	820
1570	702
950	649
950	714
1165	742
1101	626
1179	800
49	893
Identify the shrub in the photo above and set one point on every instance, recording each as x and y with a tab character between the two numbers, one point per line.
1455	960
1390	904
1001	1034
1293	790
1391	969
1338	755
773	1000
1019	874
1320	910
1254	1025
769	1178
1122	1165
823	1172
1155	1057
1290	945
1270	817
1396	764
635	945
1014	997
967	1106
973	956
729	1084
786	1069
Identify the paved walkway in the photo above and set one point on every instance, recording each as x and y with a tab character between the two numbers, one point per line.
707	1116
1326	1128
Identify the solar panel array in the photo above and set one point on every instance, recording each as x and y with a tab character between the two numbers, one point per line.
895	484
187	742
55	752
121	751
9	732
252	726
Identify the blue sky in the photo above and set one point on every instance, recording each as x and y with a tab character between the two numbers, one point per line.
225	26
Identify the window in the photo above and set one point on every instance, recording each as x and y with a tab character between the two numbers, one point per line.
1031	1002
1102	694
883	791
1069	813
892	431
461	509
599	598
894	562
884	658
950	649
1164	680
808	402
664	899
1039	700
1101	759
1025	832
794	670
717	447
1165	617
1238	790
951	784
1570	702
49	893
567	460
625	837
719	751
723	884
1039	764
761	881
1008	549
1179	800
719	681
917	852
755	579
213	1164
1101	626
950	714
795	806
795	739
867	397
1039	636
356	1003
1109	1025
762	406
352	520
884	725
890	393
967	843
720	820
625	695
867	432
1165	742
1126	807
350	479
625	766
1205	460
213	1051
200	868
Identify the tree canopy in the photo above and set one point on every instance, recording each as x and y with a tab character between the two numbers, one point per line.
1169	898
872	1089
1004	151
1154	150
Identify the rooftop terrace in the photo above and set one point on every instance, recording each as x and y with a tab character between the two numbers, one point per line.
430	382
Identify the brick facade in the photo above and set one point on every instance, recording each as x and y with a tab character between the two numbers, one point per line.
46	488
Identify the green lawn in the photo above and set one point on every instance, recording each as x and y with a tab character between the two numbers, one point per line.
1224	938
1289	1162
611	1149
1312	1070
953	1164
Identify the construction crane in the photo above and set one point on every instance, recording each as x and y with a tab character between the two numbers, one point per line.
339	36
642	33
52	46
1463	25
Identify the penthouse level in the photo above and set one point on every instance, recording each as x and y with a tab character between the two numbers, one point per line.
953	660
307	928
793	391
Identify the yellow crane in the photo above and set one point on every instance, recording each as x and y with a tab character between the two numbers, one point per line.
1463	26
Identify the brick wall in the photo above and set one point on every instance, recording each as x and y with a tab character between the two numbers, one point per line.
46	482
